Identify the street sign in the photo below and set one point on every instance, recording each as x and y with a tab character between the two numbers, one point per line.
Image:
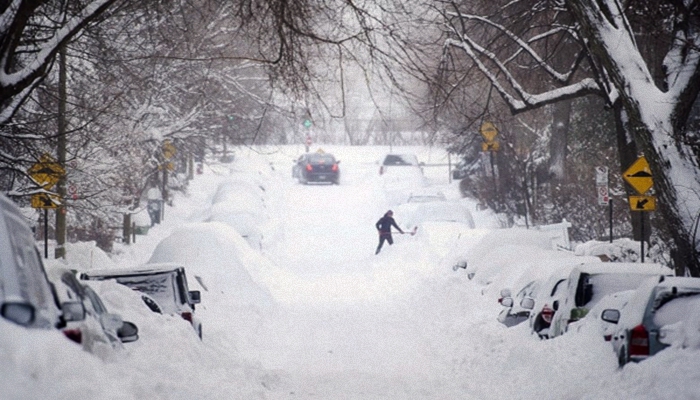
308	140
638	175
169	149
603	195
488	131
45	201
642	203
490	146
601	176
308	123
47	172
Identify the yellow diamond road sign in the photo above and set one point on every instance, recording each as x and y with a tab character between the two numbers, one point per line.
47	172
488	131
638	175
45	200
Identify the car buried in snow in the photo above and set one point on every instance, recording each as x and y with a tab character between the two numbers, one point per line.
166	283
27	297
663	312
98	332
513	313
588	283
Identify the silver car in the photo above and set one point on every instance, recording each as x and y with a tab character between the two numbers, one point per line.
663	312
26	296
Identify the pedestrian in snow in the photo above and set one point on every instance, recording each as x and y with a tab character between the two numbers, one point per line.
384	228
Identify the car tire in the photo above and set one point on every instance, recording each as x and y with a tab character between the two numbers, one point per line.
199	332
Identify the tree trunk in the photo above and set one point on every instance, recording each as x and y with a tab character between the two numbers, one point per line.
657	118
60	251
628	154
558	142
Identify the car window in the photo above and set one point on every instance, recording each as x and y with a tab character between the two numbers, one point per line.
526	290
96	301
27	263
677	308
160	287
605	284
400	159
556	286
321	158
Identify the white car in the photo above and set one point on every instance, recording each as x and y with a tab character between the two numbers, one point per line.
26	296
513	313
401	175
426	196
98	332
546	300
588	283
164	282
663	312
418	213
599	319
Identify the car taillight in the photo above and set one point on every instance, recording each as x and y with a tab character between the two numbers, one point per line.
639	341
334	168
75	335
187	316
547	314
309	167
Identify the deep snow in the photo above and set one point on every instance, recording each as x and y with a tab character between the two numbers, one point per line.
302	308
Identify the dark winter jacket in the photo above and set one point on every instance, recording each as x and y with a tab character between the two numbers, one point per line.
385	223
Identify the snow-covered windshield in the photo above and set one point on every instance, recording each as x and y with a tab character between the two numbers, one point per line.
160	287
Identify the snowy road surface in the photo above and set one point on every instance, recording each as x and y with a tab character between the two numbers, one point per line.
312	313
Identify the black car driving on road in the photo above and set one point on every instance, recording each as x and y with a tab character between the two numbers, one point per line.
316	167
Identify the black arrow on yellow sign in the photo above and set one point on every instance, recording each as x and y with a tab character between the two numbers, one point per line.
642	203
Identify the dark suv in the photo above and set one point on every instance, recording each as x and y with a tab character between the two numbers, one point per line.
165	283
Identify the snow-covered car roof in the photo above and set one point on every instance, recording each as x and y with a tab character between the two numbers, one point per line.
400	160
141	270
415	214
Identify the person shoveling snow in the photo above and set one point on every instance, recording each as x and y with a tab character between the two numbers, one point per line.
384	228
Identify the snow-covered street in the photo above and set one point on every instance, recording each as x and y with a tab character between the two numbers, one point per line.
306	310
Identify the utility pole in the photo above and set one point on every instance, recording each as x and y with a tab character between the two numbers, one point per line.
60	251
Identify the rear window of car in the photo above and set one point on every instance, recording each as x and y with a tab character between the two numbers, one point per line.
321	158
605	284
676	308
400	159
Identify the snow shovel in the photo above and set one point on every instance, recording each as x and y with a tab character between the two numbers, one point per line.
413	232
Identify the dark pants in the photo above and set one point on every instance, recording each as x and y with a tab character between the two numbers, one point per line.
382	237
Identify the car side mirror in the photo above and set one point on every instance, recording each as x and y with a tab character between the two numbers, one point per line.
507	302
527	303
611	316
73	311
128	332
195	296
